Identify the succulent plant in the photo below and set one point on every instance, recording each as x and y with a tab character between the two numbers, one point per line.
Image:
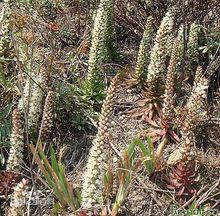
182	179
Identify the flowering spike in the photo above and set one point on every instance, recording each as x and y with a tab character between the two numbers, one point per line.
180	52
169	86
93	185
35	107
198	75
144	50
19	199
99	41
157	66
194	115
17	144
5	26
193	46
47	115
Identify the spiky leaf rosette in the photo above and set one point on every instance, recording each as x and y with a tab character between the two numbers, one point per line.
47	119
19	199
169	86
143	53
93	186
182	179
193	46
157	66
17	145
100	37
5	26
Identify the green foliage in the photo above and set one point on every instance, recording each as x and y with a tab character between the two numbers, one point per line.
92	92
128	166
54	173
74	107
210	43
148	154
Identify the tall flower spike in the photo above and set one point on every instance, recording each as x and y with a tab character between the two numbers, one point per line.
94	175
157	66
194	115
19	199
180	52
170	41
35	108
213	67
26	94
195	106
144	50
169	86
47	119
99	41
5	26
17	144
193	46
198	75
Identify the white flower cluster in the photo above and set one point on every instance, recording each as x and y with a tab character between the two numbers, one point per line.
27	93
17	144
99	38
195	113
144	50
195	105
5	26
157	66
181	42
180	52
169	44
32	97
198	75
18	199
35	106
92	192
47	119
193	46
168	104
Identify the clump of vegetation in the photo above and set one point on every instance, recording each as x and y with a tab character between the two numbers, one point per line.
88	129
